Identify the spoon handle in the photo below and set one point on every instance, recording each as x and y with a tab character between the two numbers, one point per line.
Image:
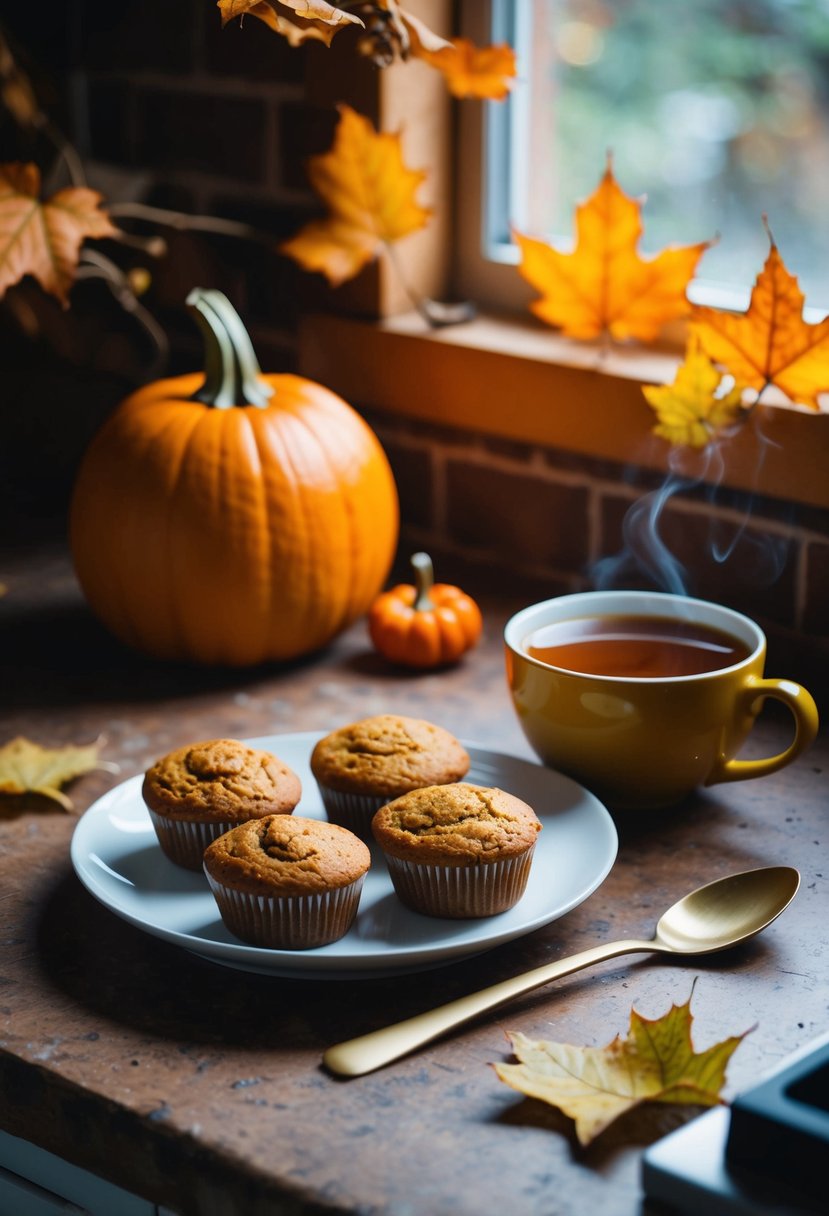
379	1047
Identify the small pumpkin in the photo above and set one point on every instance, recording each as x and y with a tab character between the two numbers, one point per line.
425	625
230	517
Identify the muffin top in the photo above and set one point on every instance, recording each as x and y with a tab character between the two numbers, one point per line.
387	755
220	780
455	825
286	855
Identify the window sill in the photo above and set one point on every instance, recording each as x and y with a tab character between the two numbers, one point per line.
511	378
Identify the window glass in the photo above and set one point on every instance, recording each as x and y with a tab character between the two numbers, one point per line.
716	110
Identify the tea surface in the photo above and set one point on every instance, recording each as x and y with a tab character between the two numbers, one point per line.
635	646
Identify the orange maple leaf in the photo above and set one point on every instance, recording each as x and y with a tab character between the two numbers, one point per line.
305	19
472	71
770	343
604	284
371	200
44	239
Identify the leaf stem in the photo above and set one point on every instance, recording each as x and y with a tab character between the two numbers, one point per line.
183	222
93	265
435	313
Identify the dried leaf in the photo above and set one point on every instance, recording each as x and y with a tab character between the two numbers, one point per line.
370	195
595	1085
694	409
44	239
472	71
771	343
28	768
305	19
419	34
604	284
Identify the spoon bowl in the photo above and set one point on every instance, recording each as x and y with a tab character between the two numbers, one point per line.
711	918
726	912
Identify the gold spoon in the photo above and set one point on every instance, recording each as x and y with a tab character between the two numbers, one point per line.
714	917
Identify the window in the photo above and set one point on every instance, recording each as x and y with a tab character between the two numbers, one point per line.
718	111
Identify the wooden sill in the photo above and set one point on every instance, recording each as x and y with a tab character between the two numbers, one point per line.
512	378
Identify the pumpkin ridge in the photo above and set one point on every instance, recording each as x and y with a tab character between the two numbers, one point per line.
365	572
286	463
178	629
192	456
266	563
348	598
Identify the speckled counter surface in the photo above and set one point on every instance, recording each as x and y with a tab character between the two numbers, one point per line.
200	1087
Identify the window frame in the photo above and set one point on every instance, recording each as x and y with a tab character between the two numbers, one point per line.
505	374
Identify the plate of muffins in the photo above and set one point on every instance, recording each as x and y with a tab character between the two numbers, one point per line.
384	846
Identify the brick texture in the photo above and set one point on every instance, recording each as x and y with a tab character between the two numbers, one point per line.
533	520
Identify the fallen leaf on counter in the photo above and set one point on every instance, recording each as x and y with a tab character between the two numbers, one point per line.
43	239
28	768
604	285
770	343
694	409
370	193
656	1062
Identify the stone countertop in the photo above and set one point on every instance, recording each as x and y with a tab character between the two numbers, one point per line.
200	1087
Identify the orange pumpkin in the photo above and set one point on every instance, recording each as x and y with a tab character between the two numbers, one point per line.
229	517
427	625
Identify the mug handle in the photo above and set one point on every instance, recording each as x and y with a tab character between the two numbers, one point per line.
803	708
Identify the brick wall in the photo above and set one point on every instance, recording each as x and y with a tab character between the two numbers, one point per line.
167	109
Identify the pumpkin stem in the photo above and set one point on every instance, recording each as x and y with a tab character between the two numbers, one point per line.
232	376
424	574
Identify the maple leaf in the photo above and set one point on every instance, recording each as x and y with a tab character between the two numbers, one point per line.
370	195
604	284
305	19
694	409
770	343
44	239
28	768
656	1062
472	71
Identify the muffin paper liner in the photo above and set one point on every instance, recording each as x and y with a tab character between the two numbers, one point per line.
461	892
184	841
288	922
353	811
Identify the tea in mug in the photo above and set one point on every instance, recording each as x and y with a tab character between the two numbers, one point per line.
639	647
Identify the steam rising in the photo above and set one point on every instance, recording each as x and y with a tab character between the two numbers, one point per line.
645	554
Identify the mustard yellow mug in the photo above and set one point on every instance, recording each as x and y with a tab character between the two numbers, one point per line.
644	696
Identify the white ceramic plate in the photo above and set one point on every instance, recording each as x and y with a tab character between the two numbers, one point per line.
116	856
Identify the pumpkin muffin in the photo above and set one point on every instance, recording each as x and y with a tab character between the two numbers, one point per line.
457	850
198	792
360	767
285	882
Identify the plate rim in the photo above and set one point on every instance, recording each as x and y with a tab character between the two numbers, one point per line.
310	964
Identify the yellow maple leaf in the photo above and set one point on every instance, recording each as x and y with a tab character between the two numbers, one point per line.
656	1062
472	71
770	343
304	20
28	768
694	409
44	239
370	195
604	284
